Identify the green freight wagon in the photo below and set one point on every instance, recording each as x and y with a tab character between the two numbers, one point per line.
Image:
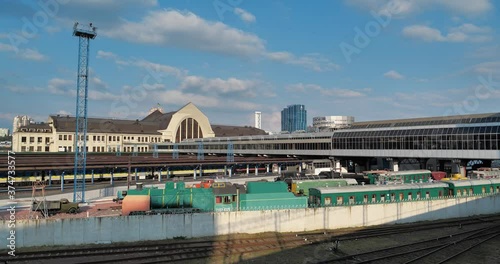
472	187
350	195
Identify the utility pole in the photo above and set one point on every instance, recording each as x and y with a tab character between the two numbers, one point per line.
84	35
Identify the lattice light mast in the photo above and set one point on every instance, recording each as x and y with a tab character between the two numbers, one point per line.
84	34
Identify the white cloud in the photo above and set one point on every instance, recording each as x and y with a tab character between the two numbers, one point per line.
60	86
218	85
68	88
311	61
336	92
159	67
18	89
463	33
176	98
26	54
30	54
196	84
486	52
106	55
492	67
394	75
403	8
186	30
244	15
6	47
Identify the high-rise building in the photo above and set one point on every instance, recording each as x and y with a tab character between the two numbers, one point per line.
293	118
4	132
258	120
20	121
329	123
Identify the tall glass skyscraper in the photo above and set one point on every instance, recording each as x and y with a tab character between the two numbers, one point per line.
293	118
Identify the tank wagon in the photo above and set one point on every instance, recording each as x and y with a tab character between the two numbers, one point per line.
221	196
350	195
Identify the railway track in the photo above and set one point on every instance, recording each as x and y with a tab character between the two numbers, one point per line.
162	252
438	249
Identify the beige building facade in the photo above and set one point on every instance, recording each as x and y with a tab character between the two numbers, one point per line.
112	135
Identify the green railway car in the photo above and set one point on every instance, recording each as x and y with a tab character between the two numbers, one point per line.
473	187
351	195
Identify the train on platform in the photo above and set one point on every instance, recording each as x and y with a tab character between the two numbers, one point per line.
353	195
216	196
99	175
413	176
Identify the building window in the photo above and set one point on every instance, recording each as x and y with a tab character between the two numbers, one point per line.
60	137
32	139
69	149
39	149
118	138
65	137
23	149
39	139
94	138
47	149
70	137
109	138
23	139
32	149
47	140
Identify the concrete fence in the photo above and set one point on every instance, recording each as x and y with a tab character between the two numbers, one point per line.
43	232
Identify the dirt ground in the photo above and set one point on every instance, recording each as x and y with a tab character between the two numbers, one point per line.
95	209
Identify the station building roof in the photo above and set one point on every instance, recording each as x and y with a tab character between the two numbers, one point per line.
429	121
153	124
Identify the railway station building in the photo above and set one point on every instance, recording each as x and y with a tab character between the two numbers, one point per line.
114	135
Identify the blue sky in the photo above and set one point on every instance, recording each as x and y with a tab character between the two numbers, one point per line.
372	59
